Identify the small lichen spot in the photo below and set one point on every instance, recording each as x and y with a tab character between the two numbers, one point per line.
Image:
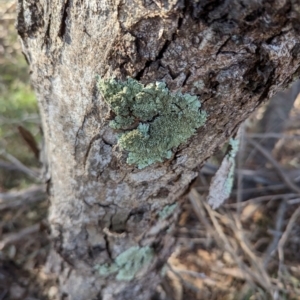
162	120
167	211
128	263
234	143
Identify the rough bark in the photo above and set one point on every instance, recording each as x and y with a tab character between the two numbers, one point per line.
233	54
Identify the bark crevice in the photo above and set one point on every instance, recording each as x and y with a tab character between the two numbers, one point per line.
63	23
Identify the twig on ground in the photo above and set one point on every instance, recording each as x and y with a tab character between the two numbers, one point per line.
276	237
181	279
259	276
264	198
255	261
24	197
275	118
276	166
260	175
293	201
272	135
8	166
198	209
218	234
285	236
33	174
249	274
234	272
15	237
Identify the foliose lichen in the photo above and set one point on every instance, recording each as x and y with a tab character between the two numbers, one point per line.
152	119
128	263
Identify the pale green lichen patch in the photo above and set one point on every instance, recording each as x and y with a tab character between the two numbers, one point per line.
167	211
106	269
228	184
162	120
164	270
222	183
128	263
234	144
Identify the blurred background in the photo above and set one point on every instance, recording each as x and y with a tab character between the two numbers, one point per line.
249	248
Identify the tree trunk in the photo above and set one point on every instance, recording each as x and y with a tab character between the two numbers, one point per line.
111	222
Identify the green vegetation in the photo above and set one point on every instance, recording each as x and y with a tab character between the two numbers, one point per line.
18	107
161	120
16	97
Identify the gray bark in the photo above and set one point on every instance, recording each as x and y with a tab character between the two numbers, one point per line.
233	54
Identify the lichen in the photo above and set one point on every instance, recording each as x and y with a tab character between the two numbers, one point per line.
128	263
167	211
228	185
152	120
222	183
164	270
107	269
234	144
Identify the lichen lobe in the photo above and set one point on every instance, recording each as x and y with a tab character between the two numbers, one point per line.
163	120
